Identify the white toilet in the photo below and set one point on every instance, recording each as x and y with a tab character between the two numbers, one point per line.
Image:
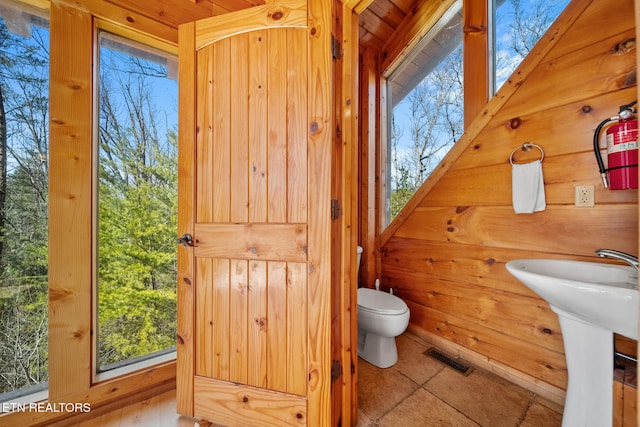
381	318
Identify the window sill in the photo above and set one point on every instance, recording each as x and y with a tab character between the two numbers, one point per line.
132	368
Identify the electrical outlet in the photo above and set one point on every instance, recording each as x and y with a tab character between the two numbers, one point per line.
585	196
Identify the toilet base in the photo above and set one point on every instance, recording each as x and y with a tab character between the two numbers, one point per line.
378	350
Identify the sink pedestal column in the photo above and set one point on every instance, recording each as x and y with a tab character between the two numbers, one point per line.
589	353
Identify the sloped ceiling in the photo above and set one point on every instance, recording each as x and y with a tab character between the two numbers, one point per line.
377	22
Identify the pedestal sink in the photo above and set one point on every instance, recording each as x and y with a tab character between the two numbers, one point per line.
593	301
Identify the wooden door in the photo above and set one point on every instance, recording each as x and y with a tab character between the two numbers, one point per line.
254	194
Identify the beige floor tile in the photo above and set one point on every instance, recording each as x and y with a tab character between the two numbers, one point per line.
411	359
541	416
483	397
379	390
423	409
363	420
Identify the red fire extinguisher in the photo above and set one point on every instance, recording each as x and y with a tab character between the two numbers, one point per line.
622	150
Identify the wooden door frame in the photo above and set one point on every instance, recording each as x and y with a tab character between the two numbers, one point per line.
345	191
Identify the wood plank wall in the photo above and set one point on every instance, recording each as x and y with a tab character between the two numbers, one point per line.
446	256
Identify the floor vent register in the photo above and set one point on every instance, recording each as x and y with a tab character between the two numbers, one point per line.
449	361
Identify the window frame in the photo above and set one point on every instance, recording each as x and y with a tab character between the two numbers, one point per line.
154	361
475	56
72	232
162	356
376	232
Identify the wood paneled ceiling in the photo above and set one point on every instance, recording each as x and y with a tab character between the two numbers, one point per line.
377	22
381	19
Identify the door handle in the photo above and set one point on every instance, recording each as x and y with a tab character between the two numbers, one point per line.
186	240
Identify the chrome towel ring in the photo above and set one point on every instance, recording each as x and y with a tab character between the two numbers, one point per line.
527	146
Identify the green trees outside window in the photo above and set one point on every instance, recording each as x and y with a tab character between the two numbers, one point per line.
24	142
137	203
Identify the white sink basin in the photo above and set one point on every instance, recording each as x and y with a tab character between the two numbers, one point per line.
593	301
605	295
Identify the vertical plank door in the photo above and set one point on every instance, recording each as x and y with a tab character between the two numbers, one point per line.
253	320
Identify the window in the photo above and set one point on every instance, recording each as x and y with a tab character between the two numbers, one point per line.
426	89
137	203
518	25
24	142
426	101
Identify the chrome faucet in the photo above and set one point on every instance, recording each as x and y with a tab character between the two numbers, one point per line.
622	256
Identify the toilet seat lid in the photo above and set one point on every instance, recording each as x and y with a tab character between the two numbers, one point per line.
380	302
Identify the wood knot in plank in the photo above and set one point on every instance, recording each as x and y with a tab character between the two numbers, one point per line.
630	79
586	109
59	294
624	46
262	323
277	15
515	123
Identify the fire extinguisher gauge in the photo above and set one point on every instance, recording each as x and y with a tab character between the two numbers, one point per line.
625	114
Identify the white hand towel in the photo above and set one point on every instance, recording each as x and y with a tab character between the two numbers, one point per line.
527	186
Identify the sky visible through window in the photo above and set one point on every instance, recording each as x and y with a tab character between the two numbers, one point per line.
24	160
137	203
537	14
519	25
429	120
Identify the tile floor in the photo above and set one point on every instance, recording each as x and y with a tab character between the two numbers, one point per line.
418	391
422	392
